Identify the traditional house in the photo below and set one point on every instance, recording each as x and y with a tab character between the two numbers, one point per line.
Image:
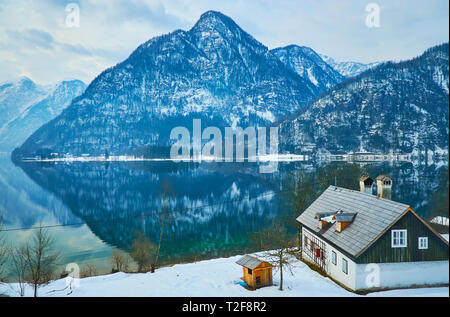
257	273
366	241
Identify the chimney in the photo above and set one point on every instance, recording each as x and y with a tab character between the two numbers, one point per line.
384	186
366	184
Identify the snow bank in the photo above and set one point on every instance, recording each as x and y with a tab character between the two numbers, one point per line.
218	277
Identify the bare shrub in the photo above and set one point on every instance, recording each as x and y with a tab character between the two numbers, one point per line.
88	270
120	261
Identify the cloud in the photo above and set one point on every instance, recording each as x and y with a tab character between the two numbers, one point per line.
145	12
75	48
31	38
35	40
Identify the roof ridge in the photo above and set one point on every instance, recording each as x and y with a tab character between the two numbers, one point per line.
367	194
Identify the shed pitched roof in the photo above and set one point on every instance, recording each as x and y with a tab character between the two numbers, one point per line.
249	261
373	216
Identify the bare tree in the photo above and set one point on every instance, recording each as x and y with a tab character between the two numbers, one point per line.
142	252
277	244
40	257
88	270
163	218
120	261
298	194
439	201
4	252
19	268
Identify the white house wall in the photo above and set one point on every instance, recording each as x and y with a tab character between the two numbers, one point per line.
381	275
335	271
403	274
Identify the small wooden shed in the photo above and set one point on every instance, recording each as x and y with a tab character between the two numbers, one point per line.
257	273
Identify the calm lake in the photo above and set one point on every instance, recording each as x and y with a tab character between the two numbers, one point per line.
98	206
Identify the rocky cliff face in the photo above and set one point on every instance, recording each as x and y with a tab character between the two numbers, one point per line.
308	64
28	106
215	71
394	107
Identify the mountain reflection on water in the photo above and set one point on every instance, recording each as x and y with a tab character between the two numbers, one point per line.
212	206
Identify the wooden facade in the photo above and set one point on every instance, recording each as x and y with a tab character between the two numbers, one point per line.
381	250
258	277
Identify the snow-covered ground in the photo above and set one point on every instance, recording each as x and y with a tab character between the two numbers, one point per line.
444	221
217	277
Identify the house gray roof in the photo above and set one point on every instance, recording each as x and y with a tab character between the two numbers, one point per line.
249	261
373	216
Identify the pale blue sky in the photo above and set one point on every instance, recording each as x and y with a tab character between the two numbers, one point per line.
35	41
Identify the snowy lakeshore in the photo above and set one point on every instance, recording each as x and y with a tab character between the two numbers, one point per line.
130	158
210	278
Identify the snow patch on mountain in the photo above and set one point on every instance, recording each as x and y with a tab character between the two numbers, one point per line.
28	106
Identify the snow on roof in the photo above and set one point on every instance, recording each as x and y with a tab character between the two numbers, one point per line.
374	215
327	219
323	215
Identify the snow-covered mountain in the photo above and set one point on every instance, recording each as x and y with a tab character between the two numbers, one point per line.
309	65
215	71
395	107
348	69
27	106
16	96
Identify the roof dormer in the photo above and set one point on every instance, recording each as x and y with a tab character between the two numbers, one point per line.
324	218
343	219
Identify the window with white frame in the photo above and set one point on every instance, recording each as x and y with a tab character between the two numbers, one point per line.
398	239
423	243
334	257
344	266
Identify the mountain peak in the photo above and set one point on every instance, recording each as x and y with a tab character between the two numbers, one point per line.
296	49
308	64
24	79
214	26
216	21
212	15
